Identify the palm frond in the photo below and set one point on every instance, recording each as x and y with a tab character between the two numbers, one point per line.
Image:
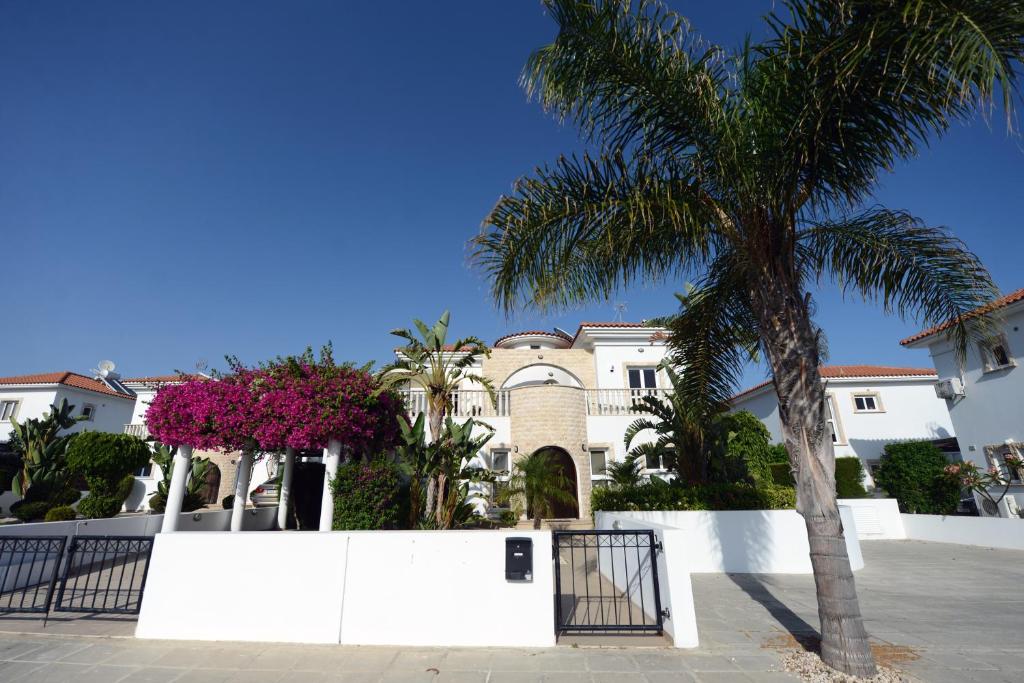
585	226
909	268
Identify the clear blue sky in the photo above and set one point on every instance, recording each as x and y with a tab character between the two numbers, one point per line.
183	180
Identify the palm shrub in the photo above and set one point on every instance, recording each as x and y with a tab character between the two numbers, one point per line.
456	450
626	472
163	457
538	481
430	363
107	462
752	170
44	476
912	472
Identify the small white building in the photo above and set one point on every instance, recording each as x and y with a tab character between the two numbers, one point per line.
869	406
985	396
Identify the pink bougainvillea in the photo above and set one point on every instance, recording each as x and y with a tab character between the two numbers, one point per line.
206	413
305	404
299	402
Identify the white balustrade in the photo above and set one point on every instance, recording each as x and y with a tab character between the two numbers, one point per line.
140	430
473	403
616	402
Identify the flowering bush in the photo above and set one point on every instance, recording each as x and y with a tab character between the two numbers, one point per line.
207	413
971	477
304	403
300	401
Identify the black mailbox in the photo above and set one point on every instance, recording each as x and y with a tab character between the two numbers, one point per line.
518	559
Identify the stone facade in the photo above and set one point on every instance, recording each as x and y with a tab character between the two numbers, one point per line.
503	362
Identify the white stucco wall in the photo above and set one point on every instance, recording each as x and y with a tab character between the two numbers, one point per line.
742	541
110	414
611	358
355	588
910	412
988	532
992	409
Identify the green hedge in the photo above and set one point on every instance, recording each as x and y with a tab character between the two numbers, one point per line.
107	462
849	477
677	496
911	472
61	513
366	496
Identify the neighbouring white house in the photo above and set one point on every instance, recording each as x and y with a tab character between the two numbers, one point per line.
985	394
869	406
570	394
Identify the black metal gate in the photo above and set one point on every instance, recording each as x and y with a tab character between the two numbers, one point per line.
105	574
607	582
28	572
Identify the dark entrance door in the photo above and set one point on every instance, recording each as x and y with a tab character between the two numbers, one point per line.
564	509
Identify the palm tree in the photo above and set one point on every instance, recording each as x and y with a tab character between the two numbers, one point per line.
751	170
438	368
538	479
628	472
684	425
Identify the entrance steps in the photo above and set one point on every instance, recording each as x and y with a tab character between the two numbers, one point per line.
558	524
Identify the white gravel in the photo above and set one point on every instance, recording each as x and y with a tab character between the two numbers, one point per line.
809	667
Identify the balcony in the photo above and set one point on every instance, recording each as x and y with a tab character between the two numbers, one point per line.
138	430
474	403
619	402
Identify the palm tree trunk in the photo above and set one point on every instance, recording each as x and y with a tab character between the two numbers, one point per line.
435	406
790	342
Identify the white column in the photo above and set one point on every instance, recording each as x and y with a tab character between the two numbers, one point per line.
332	455
241	490
176	491
286	488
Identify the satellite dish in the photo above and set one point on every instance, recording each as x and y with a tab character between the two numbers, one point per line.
106	367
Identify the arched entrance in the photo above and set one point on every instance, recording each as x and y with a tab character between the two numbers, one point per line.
565	510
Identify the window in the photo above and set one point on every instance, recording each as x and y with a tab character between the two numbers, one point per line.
499	461
145	471
1013	473
643	378
8	409
867	403
598	463
833	422
535	347
88	410
873	466
995	354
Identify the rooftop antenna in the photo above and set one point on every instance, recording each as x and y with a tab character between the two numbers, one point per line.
201	367
105	368
620	308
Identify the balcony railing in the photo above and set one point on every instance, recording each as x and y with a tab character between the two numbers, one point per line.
614	402
476	403
138	430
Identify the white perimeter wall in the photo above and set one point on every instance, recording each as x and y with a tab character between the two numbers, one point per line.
988	532
742	541
876	518
444	588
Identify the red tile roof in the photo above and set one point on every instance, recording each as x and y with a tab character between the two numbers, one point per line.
67	378
1002	302
853	371
158	379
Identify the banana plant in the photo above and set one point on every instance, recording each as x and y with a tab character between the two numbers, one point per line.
458	447
43	448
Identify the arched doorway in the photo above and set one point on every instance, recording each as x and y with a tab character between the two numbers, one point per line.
565	510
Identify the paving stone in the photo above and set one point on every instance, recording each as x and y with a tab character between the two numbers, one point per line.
609	661
18	671
619	677
670	677
152	674
515	677
462	677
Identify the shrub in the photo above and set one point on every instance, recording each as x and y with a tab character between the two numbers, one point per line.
749	443
191	501
366	495
659	495
850	478
31	511
912	472
61	513
781	474
107	462
228	502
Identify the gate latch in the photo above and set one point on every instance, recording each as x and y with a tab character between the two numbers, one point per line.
658	546
665	614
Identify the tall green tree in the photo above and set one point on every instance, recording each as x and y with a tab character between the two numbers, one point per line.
439	368
753	169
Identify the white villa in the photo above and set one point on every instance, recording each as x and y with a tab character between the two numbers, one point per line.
985	396
570	394
869	406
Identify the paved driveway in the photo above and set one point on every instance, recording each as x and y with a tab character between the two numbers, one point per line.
940	612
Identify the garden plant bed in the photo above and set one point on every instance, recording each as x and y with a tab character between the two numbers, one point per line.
800	656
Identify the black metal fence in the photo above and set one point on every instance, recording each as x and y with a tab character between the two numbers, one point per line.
607	582
29	568
105	574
